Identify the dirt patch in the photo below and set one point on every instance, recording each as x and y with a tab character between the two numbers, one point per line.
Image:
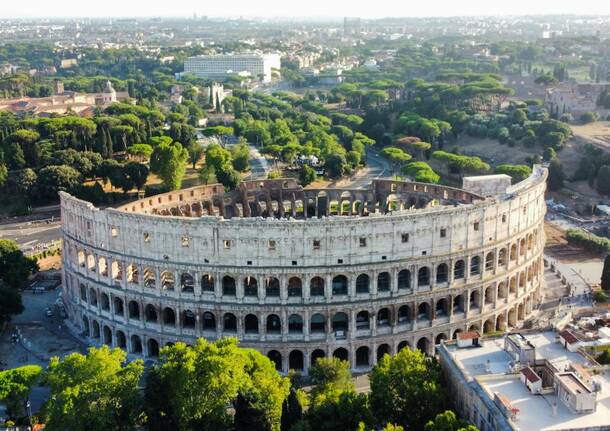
51	262
597	133
557	246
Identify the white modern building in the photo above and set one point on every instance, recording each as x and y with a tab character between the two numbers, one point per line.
220	66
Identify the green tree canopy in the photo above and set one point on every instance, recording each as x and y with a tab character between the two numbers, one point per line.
15	387
516	172
168	161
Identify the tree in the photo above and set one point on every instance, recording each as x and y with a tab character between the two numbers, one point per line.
168	161
307	175
3	174
240	154
294	404
97	391
336	165
22	183
605	282
421	172
15	267
228	176
448	421
329	375
53	179
517	172
549	154
556	175
195	152
405	389
137	174
603	179
589	117
340	411
141	151
15	388
216	156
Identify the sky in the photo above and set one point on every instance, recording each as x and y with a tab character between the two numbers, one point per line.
297	8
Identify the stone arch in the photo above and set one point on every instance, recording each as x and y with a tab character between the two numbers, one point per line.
383	317
339	285
295	360
250	286
404	279
295	287
272	287
209	321
520	312
474	299
92	297
105	301
513	252
83	292
382	350
502	290
317	354
404	314
133	274
474	327
251	324
189	320
423	345
341	353
150	279
169	316
85	327
488	293
442	273
402	345
134	310
152	347
383	282
440	338
207	283
475	265
107	335
458	304
340	323
276	358
362	283
500	322
91	262
362	356
316	286
136	344
317	324
167	280
512	286
229	322
363	320
295	324
274	324
187	282
117	270
489	261
81	258
441	308
150	313
102	264
489	326
423	311
228	286
455	333
459	269
522	247
423	277
502	257
121	340
118	306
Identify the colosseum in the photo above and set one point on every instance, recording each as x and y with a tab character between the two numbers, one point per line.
300	274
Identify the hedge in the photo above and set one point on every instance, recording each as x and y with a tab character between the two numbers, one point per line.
588	240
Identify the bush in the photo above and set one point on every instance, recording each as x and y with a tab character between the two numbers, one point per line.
589	117
421	172
600	296
588	240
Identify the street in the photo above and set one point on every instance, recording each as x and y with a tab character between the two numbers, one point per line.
30	234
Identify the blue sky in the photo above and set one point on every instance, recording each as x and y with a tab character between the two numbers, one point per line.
296	8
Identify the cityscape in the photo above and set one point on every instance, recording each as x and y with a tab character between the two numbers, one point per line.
339	218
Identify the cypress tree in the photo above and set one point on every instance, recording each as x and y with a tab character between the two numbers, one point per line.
606	274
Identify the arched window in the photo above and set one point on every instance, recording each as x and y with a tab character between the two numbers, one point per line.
423	277
228	286
502	257
442	273
489	261
383	282
272	287
118	307
295	360
209	321
363	320
188	319
362	283
134	310
459	269
362	356
475	265
251	324
187	283
229	322
383	318
316	286
169	316
295	287
151	313
207	283
404	279
250	286
149	278
340	323
340	285
317	324
295	324
404	314
167	280
274	324
276	358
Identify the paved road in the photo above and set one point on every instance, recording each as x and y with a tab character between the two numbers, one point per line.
259	166
376	168
31	233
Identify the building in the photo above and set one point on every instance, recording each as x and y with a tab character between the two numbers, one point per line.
575	99
528	382
221	66
299	273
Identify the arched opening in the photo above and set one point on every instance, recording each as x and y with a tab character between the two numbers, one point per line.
207	283
295	360
118	307
423	277
151	313
317	354
502	257
150	279
362	356
167	280
489	326
522	248
136	344
502	290
404	279
132	274
117	270
474	299
276	358
134	310
91	262
423	311
402	345
295	324
423	345
274	324
458	304
404	314
189	320
520	312
152	347
341	353
209	321
105	301
473	328
229	322
340	324
316	286
339	285
500	323
295	287
442	273
251	324
383	282
228	286
250	286
475	265
169	316
382	350
513	252
103	266
121	341
455	333
85	326
383	318
317	324
83	293
458	269
489	261
363	320
441	308
93	297
107	335
513	285
512	317
187	283
362	283
489	297
272	287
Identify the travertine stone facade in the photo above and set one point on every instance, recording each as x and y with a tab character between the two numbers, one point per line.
299	274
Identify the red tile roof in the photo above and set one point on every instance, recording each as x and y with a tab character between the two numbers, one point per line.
468	335
530	374
568	337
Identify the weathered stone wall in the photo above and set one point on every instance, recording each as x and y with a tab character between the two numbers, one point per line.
353	286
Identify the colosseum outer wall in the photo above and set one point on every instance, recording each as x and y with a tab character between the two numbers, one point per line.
139	281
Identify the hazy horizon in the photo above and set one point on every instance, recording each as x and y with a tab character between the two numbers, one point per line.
315	9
